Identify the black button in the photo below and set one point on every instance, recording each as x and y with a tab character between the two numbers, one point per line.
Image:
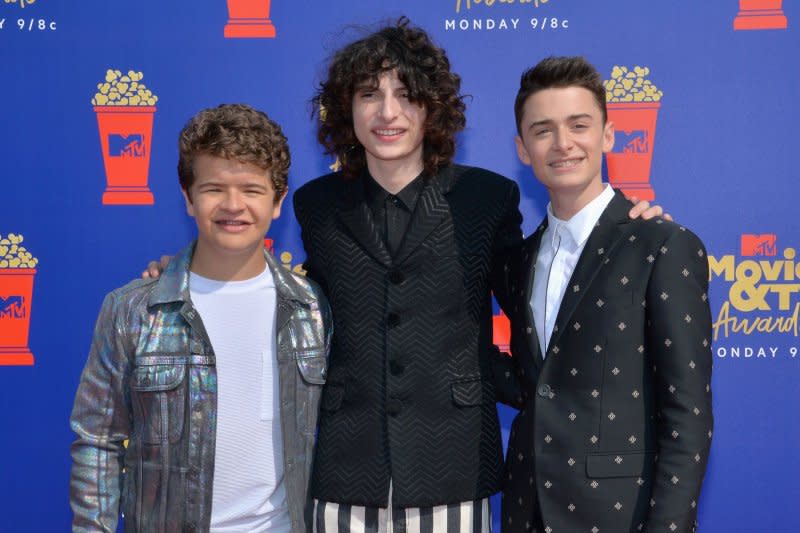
396	277
396	368
394	406
392	320
544	391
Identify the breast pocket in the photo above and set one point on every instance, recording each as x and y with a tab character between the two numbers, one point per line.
159	399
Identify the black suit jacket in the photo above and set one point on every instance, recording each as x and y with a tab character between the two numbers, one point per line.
409	395
615	423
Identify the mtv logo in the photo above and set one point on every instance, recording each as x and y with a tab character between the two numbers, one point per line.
631	142
759	244
126	145
12	307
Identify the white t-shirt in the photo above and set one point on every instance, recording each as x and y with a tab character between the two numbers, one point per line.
239	316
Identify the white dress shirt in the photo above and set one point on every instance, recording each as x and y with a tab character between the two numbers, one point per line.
561	247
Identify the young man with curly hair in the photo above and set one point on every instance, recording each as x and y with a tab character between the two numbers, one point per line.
407	247
213	372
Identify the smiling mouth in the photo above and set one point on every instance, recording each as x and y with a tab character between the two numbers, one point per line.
393	132
231	223
566	163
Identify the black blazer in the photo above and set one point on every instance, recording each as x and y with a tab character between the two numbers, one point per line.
615	423
409	395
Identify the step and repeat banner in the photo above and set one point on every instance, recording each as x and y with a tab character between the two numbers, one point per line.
704	96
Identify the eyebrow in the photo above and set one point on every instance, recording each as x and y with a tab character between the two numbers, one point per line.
571	118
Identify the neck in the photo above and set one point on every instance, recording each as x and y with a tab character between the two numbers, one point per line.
394	175
566	203
211	264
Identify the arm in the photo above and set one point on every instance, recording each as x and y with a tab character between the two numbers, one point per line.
101	420
301	214
679	347
506	241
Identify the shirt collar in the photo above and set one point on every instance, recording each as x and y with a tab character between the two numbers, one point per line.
376	194
580	226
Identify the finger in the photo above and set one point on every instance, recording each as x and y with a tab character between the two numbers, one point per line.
165	259
154	269
145	274
667	216
637	210
652	212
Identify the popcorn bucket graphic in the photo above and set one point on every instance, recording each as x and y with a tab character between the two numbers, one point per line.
760	15
249	19
16	290
501	332
635	133
125	134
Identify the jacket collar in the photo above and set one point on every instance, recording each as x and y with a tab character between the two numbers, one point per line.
431	209
599	250
173	285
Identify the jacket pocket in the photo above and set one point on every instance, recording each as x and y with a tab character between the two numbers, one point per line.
627	464
332	397
160	396
470	392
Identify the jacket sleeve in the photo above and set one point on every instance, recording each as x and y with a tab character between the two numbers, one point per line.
679	349
507	240
101	420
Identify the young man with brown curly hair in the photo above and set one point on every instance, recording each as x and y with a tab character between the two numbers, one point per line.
407	246
213	372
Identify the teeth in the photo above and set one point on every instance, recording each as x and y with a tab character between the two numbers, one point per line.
568	163
388	132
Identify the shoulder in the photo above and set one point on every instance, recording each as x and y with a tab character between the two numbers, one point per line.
123	300
660	229
481	176
312	291
318	188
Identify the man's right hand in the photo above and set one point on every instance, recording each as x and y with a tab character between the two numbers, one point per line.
154	269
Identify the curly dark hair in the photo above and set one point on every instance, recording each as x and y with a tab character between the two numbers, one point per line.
557	73
424	69
238	132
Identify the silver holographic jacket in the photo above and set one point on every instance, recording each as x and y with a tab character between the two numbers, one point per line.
151	379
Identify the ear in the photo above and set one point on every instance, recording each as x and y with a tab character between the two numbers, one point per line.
189	204
608	136
276	208
522	152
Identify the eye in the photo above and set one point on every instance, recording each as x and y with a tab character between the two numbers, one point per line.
580	126
541	132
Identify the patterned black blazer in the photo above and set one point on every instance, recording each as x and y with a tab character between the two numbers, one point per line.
409	394
615	423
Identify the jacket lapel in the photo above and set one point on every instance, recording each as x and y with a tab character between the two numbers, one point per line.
431	210
357	217
530	252
598	251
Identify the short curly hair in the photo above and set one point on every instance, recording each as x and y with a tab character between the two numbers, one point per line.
424	69
238	132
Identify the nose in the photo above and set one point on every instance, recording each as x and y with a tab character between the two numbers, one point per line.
232	200
563	139
390	107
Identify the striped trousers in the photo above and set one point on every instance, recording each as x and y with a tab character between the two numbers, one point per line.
465	517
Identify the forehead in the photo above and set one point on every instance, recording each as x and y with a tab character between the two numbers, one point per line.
559	103
214	168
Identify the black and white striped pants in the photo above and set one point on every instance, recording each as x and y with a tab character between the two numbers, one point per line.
465	517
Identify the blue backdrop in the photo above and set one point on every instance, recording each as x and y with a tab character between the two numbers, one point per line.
721	163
